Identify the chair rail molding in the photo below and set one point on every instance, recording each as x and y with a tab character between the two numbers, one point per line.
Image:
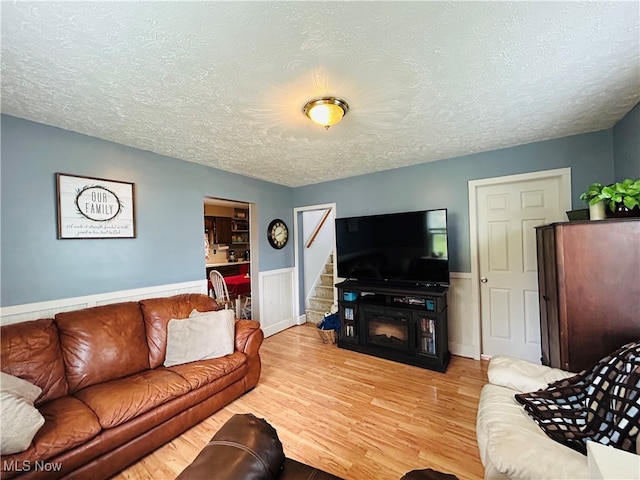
48	309
277	305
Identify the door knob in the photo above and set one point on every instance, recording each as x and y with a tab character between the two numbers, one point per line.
484	279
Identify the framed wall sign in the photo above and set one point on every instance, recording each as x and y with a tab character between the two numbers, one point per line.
95	208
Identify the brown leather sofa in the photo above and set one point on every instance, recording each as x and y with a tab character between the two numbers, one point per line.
106	397
248	448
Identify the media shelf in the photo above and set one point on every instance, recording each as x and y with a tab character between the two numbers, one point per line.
407	324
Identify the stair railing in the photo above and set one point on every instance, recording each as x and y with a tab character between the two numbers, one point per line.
318	228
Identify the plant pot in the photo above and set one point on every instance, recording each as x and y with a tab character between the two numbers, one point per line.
597	211
621	211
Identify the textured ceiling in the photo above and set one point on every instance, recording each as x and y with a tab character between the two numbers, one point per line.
223	83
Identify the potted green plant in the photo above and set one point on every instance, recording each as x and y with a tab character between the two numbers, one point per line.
593	197
623	198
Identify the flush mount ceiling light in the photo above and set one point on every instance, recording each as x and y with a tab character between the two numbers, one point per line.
326	111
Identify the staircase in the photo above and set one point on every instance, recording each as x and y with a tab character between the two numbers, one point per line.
322	299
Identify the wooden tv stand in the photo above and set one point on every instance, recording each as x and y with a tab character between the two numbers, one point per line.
407	324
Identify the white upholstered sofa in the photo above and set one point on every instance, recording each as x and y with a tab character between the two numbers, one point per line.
511	444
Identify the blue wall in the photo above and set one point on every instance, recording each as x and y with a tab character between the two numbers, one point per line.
444	183
626	146
36	266
169	195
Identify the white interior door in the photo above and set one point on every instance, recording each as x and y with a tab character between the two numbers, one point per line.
507	213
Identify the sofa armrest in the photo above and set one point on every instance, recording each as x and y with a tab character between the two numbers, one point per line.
513	446
522	375
248	336
245	447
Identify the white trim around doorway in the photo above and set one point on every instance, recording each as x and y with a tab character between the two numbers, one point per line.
301	318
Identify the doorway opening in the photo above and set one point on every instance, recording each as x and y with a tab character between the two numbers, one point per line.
314	241
228	229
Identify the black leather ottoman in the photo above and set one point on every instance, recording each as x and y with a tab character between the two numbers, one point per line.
427	474
248	448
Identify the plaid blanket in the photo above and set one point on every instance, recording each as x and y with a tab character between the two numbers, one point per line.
601	404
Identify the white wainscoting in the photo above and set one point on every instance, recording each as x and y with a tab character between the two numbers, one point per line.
277	300
459	315
277	305
34	311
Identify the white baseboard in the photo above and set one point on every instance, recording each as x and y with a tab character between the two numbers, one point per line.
461	350
278	327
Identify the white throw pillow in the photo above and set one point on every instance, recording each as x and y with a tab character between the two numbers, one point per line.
200	337
522	375
20	420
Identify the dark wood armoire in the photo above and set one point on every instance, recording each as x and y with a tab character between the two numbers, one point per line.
589	287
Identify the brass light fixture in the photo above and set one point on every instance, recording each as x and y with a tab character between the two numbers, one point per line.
326	111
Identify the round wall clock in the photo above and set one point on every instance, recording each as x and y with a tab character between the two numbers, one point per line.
277	233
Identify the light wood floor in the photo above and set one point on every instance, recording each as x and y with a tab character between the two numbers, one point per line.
354	415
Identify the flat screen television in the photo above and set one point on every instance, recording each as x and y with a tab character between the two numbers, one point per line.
403	248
